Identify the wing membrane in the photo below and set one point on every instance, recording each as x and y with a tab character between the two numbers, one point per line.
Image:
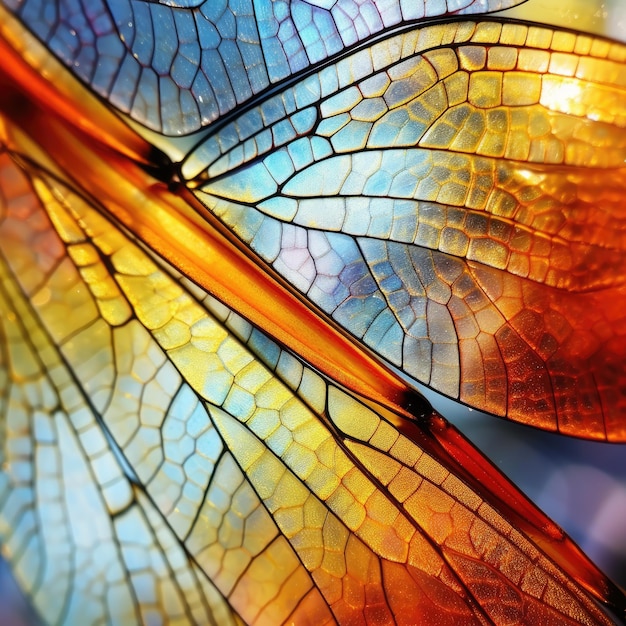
459	207
250	471
187	64
163	460
452	196
86	543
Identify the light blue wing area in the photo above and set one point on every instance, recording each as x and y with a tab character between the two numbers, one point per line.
397	187
177	66
86	544
163	461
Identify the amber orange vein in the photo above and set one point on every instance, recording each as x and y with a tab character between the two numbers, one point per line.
177	227
94	120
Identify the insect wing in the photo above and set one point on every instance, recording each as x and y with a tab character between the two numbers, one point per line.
451	196
177	66
163	459
149	324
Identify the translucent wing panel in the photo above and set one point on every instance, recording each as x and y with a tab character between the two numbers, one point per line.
177	66
161	458
459	208
85	542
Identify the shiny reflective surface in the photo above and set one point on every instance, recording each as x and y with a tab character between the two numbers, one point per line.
600	17
136	397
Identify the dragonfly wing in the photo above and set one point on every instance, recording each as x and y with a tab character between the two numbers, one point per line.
87	543
458	208
253	481
160	452
452	196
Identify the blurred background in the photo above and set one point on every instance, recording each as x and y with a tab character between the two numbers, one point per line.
580	485
606	17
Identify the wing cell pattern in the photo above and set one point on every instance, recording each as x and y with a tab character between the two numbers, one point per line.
87	544
164	461
453	197
177	66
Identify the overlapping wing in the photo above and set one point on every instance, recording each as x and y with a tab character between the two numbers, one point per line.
454	197
164	461
177	66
